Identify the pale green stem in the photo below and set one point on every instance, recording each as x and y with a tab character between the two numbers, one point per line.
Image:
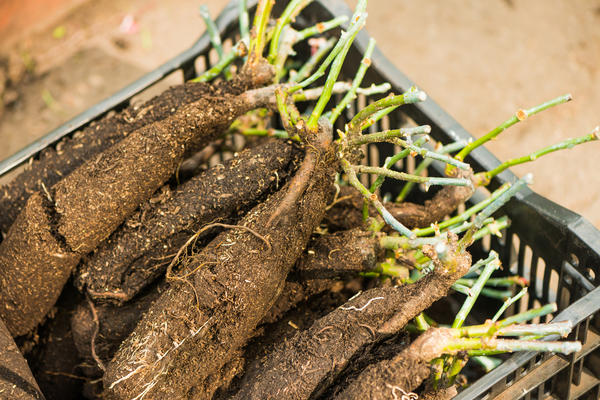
413	95
213	31
475	290
395	242
339	87
519	116
360	74
483	178
391	161
508	303
372	197
529	315
244	21
428	180
320	27
425	164
557	328
487	363
334	72
341	43
495	282
314	59
238	51
467	239
511	345
432	154
384	136
291	11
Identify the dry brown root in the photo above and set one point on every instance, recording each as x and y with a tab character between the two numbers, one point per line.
47	240
347	212
213	307
57	162
140	250
403	373
306	364
16	380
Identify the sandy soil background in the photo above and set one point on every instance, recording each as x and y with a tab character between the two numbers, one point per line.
481	61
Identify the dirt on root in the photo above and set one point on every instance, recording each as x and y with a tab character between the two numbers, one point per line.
140	250
16	380
326	348
86	206
35	265
212	309
404	373
58	161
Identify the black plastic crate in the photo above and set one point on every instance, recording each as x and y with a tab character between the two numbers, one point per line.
557	250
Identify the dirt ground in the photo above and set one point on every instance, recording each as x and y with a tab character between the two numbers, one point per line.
480	60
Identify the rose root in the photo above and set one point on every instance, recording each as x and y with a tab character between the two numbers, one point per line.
58	161
212	308
306	364
47	241
406	371
16	380
139	251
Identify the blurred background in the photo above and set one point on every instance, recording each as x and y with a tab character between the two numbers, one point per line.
480	60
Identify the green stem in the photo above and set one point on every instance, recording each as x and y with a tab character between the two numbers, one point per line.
433	155
425	164
291	11
428	180
421	323
358	22
376	117
483	178
383	136
509	345
244	21
508	303
320	27
372	197
212	30
411	96
314	59
528	315
239	50
360	74
391	161
475	290
259	29
467	239
519	116
355	26
465	215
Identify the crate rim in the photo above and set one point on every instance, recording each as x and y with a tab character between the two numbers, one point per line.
576	228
